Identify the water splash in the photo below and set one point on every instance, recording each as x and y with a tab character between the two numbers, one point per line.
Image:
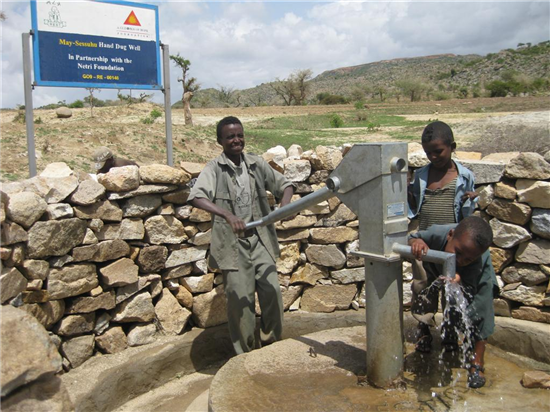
457	325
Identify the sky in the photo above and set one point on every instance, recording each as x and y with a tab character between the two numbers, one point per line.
239	45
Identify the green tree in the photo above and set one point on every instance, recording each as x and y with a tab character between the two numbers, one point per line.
412	88
294	89
190	86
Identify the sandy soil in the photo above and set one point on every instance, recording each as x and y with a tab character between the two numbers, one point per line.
73	140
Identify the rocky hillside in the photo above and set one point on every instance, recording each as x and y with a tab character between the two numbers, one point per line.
444	76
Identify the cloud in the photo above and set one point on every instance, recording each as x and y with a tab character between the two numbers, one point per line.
243	44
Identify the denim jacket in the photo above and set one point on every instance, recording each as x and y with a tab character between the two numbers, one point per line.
464	183
217	184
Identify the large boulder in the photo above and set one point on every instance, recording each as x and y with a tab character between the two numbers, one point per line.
507	235
289	258
105	210
326	255
534	192
485	172
164	229
88	192
509	211
63	112
47	394
55	237
78	350
139	308
157	173
326	158
113	340
72	280
210	309
122	272
528	166
297	170
12	233
535	251
25	208
120	179
47	313
540	222
171	315
328	298
27	350
12	282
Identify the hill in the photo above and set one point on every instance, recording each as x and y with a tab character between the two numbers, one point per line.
440	76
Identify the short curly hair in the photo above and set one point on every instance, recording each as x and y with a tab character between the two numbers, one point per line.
438	131
478	229
224	122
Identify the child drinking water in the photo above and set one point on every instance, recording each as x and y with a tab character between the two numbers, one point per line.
442	193
469	241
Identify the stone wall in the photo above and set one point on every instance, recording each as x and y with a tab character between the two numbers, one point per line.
117	262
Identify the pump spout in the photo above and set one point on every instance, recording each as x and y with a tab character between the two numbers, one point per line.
332	186
446	259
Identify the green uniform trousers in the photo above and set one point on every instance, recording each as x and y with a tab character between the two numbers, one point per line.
257	273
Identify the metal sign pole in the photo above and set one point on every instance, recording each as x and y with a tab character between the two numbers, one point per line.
167	102
29	120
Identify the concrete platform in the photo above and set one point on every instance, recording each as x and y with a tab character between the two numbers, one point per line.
325	371
141	374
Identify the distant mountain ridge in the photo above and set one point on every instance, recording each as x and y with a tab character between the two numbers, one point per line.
443	73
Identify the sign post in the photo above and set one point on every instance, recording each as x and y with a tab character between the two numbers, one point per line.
97	44
102	44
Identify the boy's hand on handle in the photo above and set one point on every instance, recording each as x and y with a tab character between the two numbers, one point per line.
237	224
418	248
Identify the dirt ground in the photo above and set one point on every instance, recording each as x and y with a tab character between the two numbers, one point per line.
73	140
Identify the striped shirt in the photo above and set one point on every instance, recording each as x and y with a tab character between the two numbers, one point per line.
438	206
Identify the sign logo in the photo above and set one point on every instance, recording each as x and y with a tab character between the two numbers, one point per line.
54	18
132	20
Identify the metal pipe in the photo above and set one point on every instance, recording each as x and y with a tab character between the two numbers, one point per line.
167	103
435	256
27	83
292	208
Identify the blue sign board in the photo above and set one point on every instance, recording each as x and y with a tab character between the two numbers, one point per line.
102	44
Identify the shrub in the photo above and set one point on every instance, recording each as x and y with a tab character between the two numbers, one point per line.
440	95
155	114
359	104
498	88
38	121
336	121
361	116
147	120
77	104
327	98
373	126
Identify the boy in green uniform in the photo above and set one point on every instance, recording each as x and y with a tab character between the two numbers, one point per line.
233	188
469	241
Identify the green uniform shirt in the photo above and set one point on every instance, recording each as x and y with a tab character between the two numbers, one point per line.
478	278
217	183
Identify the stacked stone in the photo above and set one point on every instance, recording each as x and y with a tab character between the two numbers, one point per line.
518	210
514	198
117	262
100	264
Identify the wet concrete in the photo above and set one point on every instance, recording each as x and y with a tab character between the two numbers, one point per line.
325	371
